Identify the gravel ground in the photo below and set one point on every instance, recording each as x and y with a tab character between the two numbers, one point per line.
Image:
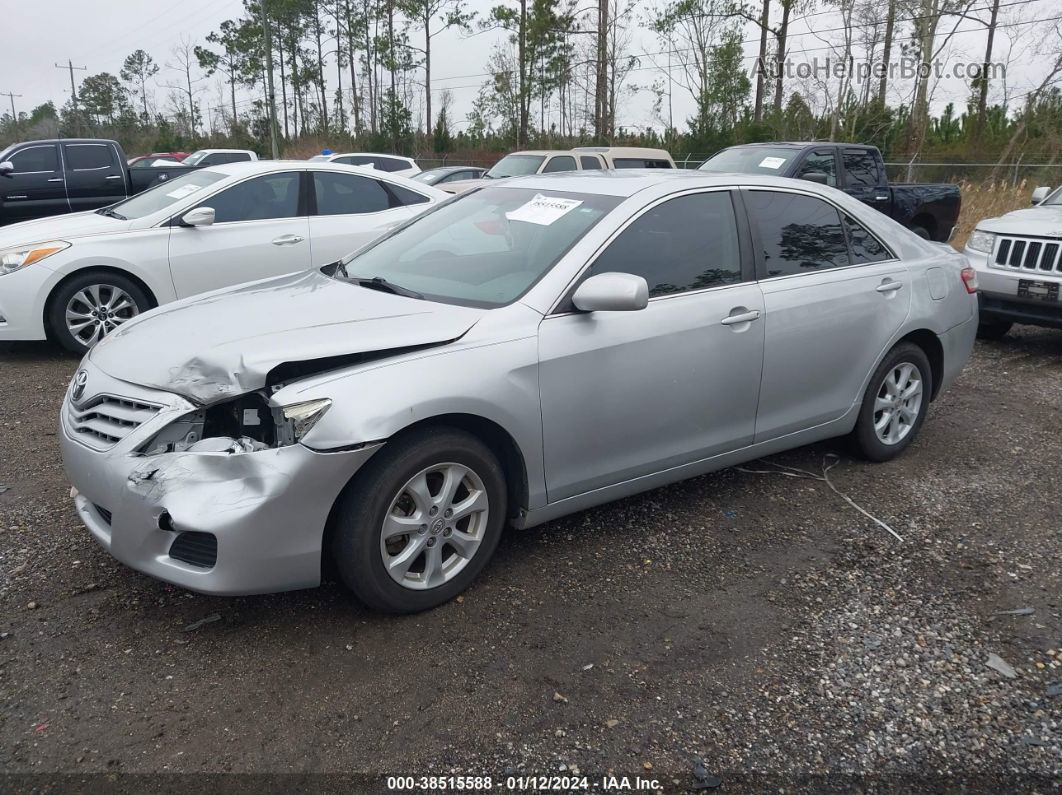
756	622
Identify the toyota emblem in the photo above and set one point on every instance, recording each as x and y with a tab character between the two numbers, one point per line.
80	379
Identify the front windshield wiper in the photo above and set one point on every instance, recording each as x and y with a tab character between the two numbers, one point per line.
111	213
380	283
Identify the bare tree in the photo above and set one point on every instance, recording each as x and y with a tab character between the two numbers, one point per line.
184	59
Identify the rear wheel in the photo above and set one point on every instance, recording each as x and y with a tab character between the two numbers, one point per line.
895	404
420	522
91	305
921	231
992	329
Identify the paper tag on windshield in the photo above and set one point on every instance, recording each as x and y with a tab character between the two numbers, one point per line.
543	210
772	162
182	191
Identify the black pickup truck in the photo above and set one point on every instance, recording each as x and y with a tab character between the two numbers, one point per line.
41	178
927	210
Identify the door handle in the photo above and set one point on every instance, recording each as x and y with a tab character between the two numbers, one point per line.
884	198
286	240
744	317
115	176
56	179
889	287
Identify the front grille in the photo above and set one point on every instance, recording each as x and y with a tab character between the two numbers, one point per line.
195	549
1028	254
105	420
105	515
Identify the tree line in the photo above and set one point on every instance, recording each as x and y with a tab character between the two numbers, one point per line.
361	74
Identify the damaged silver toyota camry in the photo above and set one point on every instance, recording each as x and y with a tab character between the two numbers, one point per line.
526	350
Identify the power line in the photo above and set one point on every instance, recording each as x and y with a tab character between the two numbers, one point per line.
14	116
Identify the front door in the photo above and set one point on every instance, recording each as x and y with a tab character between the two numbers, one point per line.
865	180
36	188
831	308
626	394
260	229
95	176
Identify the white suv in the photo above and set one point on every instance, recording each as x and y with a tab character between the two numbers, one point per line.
1018	257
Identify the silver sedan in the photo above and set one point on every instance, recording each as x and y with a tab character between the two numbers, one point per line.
528	349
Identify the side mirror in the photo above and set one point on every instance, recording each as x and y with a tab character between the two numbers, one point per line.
7	167
200	216
819	177
612	292
1038	195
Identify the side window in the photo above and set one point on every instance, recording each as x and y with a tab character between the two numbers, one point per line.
35	158
864	246
88	157
560	163
261	198
825	162
348	194
666	245
404	196
798	234
590	162
861	168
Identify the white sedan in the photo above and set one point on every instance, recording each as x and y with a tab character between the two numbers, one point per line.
75	278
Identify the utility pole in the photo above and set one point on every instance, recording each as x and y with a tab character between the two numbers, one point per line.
271	99
14	117
73	88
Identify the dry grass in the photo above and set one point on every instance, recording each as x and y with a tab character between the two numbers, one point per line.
986	200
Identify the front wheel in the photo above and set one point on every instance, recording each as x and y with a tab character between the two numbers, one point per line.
91	305
895	404
420	522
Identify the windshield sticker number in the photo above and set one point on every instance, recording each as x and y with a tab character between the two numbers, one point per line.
183	190
772	162
543	210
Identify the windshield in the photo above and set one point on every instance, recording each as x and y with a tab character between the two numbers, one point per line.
484	249
515	166
1054	200
751	160
195	157
164	194
429	177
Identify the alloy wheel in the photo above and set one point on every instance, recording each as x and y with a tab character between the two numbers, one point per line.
898	403
97	310
434	526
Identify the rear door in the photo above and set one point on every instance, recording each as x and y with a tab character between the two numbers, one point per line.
349	210
864	178
830	311
260	229
36	188
627	394
95	175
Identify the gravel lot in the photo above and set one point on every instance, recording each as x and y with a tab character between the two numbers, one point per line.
754	621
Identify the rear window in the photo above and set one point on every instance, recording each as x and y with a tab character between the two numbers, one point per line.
639	162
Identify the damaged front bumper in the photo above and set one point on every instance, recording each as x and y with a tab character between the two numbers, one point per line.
214	522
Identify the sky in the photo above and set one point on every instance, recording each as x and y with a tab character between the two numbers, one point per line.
98	34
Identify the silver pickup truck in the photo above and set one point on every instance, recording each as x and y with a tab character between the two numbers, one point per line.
1018	258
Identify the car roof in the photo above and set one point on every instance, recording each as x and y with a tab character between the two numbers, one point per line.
371	154
621	151
454	168
241	151
629	181
267	166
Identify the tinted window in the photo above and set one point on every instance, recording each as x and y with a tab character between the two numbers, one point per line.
639	162
821	162
345	194
391	164
85	157
860	167
864	246
668	247
405	196
271	196
589	162
35	158
798	234
563	163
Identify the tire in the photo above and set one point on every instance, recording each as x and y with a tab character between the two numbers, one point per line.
382	493
921	231
993	329
87	293
871	441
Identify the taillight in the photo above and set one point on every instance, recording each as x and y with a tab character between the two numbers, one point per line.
969	279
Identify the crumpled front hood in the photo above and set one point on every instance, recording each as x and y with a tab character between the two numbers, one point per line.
1036	221
226	342
60	227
